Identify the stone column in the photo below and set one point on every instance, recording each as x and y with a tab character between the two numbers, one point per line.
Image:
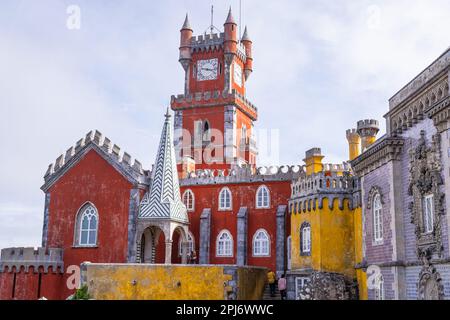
205	236
184	253
280	239
168	252
241	256
133	210
45	225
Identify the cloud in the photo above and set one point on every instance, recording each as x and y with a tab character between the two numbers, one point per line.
319	66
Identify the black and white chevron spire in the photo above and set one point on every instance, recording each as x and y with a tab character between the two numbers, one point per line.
163	201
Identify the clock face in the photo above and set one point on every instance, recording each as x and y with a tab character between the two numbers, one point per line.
237	74
207	69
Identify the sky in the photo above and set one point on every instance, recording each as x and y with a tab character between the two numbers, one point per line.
319	67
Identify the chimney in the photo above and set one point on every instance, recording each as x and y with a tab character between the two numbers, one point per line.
313	161
367	130
354	144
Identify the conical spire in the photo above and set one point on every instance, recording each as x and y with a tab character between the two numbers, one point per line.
163	201
186	24
245	36
230	18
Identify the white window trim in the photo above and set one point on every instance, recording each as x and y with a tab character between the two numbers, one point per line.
377	220
217	244
425	214
189	191
224	189
255	254
78	225
304	281
306	249
260	189
191	236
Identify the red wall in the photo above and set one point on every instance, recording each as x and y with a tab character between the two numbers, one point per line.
91	179
206	196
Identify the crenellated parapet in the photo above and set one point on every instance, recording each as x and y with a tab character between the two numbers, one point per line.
121	160
243	174
213	98
334	182
23	257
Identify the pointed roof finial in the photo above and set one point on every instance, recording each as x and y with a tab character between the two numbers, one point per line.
186	24
245	36
167	115
230	18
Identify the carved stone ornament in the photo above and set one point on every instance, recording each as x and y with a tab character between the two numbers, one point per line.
430	284
372	193
425	179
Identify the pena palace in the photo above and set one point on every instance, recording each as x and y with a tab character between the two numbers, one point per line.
375	226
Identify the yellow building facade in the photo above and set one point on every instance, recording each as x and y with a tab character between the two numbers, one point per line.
327	228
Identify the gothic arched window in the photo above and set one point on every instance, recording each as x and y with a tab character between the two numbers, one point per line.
225	199
224	246
262	197
86	226
189	199
377	209
379	288
261	243
428	213
206	131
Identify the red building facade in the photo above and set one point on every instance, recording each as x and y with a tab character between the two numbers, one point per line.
94	193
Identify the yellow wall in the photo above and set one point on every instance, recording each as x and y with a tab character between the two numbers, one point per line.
170	282
332	239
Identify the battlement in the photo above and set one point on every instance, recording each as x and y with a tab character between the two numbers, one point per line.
123	159
243	174
367	123
313	152
208	98
351	133
336	180
27	257
214	41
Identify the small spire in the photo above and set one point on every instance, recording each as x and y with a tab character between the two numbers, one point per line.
167	115
186	24
230	18
245	36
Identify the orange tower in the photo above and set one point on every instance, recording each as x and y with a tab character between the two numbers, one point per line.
213	118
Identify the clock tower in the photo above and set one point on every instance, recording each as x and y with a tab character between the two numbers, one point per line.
213	118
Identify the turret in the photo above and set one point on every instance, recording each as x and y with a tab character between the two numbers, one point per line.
354	144
230	30
367	130
185	42
313	161
247	43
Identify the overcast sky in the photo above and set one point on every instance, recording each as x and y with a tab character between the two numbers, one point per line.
319	66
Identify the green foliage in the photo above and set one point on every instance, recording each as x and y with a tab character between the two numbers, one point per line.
82	294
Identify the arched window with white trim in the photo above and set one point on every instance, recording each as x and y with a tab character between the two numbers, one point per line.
224	245
261	243
262	197
86	229
191	244
225	200
377	218
189	199
305	239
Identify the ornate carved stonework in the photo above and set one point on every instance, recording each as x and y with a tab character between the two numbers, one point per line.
425	179
328	286
374	191
430	285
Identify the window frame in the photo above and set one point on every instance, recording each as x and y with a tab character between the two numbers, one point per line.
428	219
262	188
225	208
377	219
230	239
254	240
186	193
191	241
79	226
379	289
305	251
